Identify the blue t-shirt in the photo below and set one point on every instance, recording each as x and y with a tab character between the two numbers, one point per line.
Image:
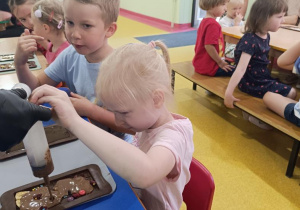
80	76
73	69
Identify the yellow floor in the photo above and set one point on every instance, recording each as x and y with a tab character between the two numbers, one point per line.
248	164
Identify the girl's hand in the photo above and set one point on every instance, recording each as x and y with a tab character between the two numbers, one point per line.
62	108
225	66
81	104
27	44
229	100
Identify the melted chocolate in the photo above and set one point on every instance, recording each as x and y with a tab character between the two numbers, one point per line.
33	200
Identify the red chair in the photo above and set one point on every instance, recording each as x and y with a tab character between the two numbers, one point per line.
199	192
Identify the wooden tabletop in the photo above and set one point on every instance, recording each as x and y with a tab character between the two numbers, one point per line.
8	46
281	40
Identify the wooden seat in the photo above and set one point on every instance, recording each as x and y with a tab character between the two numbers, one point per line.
253	106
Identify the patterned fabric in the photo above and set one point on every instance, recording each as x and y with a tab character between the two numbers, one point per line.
257	79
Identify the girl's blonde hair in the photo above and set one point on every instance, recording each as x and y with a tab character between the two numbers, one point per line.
15	3
209	4
132	73
109	9
260	13
51	12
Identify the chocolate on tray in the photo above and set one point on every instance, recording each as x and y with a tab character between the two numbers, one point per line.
69	189
55	134
10	66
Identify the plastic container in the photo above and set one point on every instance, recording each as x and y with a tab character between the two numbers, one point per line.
35	141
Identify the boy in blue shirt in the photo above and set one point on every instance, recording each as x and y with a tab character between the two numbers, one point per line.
88	25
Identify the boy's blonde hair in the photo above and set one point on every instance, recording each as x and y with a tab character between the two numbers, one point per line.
109	9
261	11
51	13
15	3
236	2
132	73
209	4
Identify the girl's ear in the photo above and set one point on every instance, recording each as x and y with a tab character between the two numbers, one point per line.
46	28
158	98
111	29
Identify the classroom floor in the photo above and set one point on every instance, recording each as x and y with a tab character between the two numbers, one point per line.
248	164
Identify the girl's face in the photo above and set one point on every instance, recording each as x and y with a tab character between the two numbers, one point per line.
38	26
233	9
136	116
274	22
23	13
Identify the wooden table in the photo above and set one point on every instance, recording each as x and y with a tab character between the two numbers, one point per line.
8	46
280	41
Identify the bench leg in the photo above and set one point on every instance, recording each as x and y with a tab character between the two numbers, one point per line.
194	86
172	79
293	159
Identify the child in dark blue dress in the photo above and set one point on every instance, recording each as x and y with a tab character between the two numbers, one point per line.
251	54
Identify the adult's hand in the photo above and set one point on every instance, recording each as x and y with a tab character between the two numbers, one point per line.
17	116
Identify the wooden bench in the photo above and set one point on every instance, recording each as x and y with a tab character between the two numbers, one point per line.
247	103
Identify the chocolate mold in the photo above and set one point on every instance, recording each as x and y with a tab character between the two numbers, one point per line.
55	134
91	173
11	57
10	66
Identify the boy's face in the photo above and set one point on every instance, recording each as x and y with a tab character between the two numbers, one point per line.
233	9
84	28
23	13
219	10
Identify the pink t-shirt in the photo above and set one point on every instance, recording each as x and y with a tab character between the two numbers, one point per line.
177	136
50	56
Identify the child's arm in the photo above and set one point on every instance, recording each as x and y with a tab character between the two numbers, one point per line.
211	50
27	44
288	58
244	8
235	79
86	108
125	159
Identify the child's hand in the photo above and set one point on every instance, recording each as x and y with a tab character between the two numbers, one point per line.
229	100
64	112
225	66
238	18
81	104
27	44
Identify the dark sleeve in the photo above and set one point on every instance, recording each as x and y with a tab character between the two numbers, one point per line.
247	44
4	6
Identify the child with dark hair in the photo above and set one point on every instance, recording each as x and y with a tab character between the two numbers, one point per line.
251	54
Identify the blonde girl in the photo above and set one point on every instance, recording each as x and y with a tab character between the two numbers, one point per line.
48	21
21	9
134	83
